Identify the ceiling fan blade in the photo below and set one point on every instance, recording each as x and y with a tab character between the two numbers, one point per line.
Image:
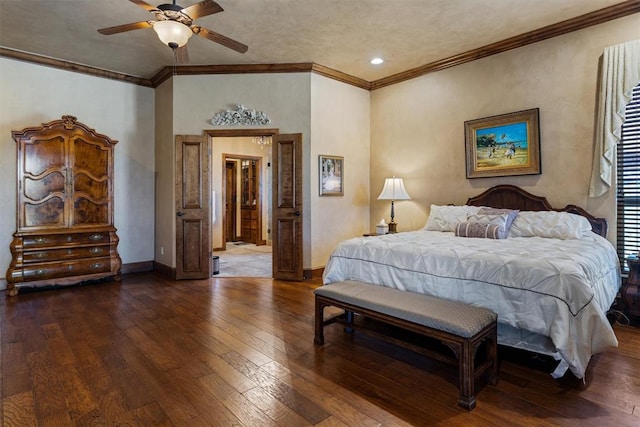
144	5
204	8
219	38
125	27
182	55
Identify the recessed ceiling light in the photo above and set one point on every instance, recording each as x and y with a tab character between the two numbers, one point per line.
377	61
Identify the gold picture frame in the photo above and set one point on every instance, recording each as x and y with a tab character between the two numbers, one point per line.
331	171
504	145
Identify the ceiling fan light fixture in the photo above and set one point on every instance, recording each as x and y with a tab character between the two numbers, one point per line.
172	33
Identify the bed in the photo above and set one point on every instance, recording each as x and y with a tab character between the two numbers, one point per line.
551	277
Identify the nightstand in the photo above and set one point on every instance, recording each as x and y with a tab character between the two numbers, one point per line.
630	293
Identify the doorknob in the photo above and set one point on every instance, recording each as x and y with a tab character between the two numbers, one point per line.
180	213
297	213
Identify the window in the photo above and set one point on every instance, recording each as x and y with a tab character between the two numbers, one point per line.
628	193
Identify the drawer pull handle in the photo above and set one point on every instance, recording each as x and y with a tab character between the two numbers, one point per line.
40	240
40	255
96	250
69	238
41	272
96	236
95	265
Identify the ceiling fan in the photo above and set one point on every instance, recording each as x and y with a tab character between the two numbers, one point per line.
174	26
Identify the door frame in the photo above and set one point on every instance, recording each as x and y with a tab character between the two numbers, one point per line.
233	133
225	158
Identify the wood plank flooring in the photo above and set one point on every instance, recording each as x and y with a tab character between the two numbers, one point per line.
236	351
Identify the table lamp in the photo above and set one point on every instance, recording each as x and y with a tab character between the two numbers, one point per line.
393	190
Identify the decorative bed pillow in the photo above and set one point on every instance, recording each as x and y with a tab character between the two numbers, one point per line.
480	229
550	224
499	220
446	217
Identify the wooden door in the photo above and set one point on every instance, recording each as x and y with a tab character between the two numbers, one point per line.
193	208
287	207
250	199
231	196
91	166
43	180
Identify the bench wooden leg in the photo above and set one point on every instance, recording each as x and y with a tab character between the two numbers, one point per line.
467	397
349	320
319	323
492	355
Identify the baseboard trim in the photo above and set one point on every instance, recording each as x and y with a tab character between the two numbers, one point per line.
313	273
138	267
165	270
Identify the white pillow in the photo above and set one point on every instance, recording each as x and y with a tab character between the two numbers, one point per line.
445	218
551	224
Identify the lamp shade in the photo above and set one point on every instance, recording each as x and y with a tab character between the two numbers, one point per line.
172	33
394	190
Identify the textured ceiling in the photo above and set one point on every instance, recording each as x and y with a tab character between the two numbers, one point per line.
340	34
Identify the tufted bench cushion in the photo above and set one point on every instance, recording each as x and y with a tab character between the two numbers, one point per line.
445	315
462	327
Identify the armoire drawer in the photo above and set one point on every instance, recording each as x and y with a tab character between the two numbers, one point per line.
70	253
64	239
54	270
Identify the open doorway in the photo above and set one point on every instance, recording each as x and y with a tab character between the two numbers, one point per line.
241	221
244	192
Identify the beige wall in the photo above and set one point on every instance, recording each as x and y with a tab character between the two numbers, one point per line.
340	125
285	98
32	94
165	224
418	126
333	118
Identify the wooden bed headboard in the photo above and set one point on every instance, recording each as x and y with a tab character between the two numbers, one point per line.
512	197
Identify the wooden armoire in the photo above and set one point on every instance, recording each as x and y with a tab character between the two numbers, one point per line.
65	232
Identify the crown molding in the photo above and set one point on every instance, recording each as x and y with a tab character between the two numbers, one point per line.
600	16
72	66
190	70
578	23
301	67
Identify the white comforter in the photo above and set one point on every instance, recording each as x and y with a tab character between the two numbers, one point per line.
561	289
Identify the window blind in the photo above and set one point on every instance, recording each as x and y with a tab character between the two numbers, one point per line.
628	188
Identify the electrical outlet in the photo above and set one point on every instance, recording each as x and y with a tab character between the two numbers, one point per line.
161	250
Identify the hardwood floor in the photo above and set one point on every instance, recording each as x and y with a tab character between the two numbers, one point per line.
237	351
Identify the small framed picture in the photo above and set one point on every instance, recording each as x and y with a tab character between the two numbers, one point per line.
503	145
331	175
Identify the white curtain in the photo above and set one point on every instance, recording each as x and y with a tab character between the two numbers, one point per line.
619	74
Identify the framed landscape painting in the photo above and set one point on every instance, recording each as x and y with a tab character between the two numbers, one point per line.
504	145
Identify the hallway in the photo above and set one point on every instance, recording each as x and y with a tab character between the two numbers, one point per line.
244	260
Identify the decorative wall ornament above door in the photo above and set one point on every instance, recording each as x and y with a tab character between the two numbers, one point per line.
240	116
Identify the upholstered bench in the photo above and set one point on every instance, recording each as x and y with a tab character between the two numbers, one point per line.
461	327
